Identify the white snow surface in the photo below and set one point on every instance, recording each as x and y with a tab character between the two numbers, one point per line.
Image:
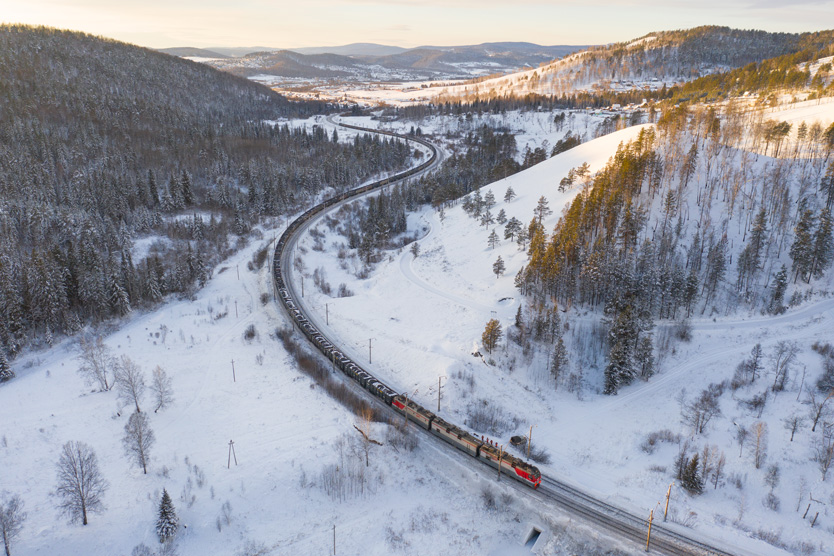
425	317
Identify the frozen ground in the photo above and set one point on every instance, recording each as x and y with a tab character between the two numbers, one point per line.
425	316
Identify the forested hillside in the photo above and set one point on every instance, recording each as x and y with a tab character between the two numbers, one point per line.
646	64
103	142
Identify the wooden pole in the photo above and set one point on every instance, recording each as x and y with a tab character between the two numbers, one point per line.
649	536
237	266
500	459
668	494
529	441
334	539
236	308
234	378
327	314
370	352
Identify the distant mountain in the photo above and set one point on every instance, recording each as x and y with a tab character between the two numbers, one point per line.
238	51
191	52
355	49
372	62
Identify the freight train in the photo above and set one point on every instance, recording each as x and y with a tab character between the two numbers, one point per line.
483	450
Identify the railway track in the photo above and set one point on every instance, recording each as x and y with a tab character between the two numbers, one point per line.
619	521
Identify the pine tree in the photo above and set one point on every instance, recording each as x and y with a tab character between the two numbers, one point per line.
749	261
119	300
512	227
167	521
559	362
492	334
803	245
6	372
542	209
780	285
691	478
492	240
644	357
185	189
823	246
502	217
498	266
509	195
623	337
489	199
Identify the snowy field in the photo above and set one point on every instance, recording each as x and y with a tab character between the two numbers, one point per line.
425	316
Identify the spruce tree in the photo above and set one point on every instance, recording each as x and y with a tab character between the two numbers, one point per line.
780	284
167	521
6	372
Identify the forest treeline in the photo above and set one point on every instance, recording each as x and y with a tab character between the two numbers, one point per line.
104	142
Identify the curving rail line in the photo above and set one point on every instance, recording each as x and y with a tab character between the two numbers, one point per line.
664	540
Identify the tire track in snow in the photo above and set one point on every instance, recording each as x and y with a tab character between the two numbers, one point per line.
406	260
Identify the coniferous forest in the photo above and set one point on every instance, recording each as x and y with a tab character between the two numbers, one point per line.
104	143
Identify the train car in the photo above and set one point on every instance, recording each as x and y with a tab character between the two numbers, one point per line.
514	467
412	411
459	438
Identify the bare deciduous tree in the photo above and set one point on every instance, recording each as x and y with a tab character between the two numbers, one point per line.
161	388
793	424
138	440
12	517
824	449
741	437
366	417
97	363
818	406
759	443
782	359
719	469
700	411
130	382
81	485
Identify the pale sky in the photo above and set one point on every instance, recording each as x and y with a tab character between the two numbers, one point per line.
407	23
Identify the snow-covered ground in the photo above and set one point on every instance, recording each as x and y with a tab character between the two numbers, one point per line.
425	317
285	431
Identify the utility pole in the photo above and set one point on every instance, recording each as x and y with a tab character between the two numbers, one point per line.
327	314
649	536
370	352
668	494
237	266
529	441
500	459
334	539
236	308
234	378
302	285
231	454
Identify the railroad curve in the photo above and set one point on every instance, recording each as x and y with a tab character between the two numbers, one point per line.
666	539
